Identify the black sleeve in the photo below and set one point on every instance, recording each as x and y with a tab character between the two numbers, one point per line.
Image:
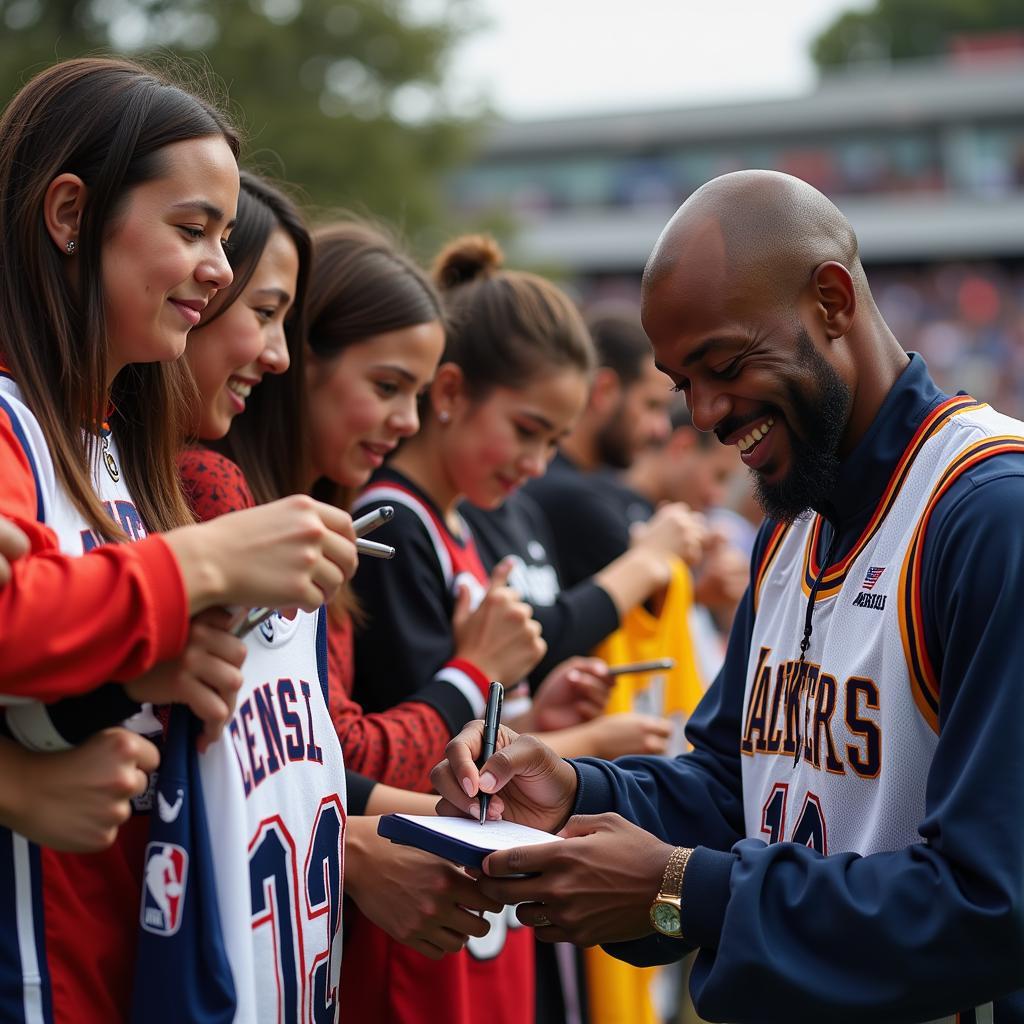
589	530
403	633
358	789
576	623
580	617
72	720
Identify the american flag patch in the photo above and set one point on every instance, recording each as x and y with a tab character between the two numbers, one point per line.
872	576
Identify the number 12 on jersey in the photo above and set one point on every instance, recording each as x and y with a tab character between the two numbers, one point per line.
299	907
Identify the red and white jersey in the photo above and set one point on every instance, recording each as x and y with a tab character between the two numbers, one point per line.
69	920
458	563
274	794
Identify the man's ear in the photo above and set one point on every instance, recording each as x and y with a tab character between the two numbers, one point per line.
836	298
62	210
448	392
605	391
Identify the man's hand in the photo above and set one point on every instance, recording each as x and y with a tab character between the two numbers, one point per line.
206	676
419	899
75	799
534	785
13	544
596	886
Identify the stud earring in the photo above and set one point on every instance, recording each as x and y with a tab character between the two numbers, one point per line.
444	416
70	246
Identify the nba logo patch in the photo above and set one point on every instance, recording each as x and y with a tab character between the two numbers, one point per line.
163	888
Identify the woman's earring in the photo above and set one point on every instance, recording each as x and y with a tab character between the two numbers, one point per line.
444	416
70	246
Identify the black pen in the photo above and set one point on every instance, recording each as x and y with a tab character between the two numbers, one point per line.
492	719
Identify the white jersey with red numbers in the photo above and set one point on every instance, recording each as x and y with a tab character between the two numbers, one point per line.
278	778
245	859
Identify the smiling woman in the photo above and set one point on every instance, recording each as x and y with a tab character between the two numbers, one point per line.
117	192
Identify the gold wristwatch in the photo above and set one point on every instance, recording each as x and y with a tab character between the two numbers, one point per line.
665	909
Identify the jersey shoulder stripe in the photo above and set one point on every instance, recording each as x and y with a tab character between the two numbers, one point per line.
771	552
396	494
321	653
925	679
833	579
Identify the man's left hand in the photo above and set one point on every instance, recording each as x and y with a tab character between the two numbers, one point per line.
596	886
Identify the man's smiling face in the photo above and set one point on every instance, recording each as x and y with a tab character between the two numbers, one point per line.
750	371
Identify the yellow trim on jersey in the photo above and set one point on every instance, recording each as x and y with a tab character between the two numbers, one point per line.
835	576
925	683
771	552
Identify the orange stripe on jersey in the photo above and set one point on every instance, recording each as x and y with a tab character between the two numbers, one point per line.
925	684
771	552
835	576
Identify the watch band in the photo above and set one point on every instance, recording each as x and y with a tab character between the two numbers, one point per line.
672	880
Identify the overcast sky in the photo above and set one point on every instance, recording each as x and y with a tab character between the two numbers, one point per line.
544	58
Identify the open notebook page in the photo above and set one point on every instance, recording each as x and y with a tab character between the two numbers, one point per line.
492	835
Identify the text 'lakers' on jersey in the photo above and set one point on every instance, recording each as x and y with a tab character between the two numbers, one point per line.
837	745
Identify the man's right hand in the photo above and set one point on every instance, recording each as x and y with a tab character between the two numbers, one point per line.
534	786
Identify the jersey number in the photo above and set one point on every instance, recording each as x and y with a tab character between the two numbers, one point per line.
810	824
284	899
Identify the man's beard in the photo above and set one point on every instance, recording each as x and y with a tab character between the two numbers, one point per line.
822	419
613	442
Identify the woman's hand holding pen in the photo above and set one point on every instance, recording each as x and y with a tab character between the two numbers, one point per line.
294	552
501	637
531	783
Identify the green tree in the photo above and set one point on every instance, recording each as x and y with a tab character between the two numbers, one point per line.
347	99
900	29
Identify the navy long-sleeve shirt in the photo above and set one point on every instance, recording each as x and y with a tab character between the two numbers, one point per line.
909	935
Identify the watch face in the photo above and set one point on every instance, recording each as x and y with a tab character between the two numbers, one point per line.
665	918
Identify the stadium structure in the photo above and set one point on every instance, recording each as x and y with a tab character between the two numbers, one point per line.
926	159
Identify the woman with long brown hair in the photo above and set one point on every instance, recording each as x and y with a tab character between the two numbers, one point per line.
117	193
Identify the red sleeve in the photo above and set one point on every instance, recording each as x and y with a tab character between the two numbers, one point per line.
398	746
213	484
69	624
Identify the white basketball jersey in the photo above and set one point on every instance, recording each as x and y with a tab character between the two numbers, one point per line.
837	754
274	790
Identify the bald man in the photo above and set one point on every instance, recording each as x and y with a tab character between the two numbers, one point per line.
845	841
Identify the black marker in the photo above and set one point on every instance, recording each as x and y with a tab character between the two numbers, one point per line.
492	719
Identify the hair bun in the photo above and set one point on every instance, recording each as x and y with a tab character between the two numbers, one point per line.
465	259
